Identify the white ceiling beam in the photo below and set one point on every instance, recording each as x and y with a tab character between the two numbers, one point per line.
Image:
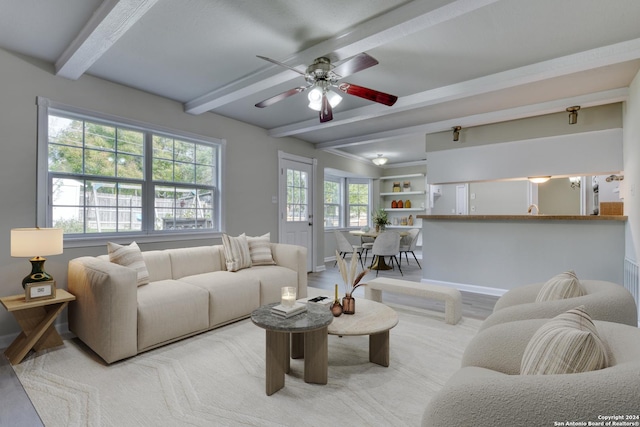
108	23
557	67
533	110
401	22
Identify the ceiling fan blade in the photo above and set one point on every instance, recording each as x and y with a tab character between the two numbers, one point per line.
359	62
273	61
326	113
366	93
280	96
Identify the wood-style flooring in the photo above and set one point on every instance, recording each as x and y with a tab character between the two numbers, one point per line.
16	409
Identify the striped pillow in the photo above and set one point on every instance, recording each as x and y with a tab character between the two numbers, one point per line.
566	344
564	285
260	250
236	252
129	256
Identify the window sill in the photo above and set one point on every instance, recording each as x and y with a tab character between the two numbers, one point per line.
100	240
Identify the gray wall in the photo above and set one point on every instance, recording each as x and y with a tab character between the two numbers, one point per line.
251	177
556	197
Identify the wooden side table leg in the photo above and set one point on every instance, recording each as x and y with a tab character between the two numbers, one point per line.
37	332
277	357
316	360
379	348
297	345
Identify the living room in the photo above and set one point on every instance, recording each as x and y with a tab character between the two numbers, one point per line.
252	152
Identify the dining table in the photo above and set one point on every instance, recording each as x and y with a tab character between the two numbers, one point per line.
378	263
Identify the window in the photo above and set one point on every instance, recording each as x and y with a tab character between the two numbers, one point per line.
107	176
347	202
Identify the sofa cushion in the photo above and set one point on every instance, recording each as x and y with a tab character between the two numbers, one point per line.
231	296
159	265
260	250
272	278
168	310
194	260
129	256
566	344
564	285
236	252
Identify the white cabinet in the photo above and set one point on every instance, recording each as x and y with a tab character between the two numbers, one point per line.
409	187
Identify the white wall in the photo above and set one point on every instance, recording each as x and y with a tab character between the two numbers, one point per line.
631	183
251	177
590	153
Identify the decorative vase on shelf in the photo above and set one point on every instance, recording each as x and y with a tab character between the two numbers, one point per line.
336	307
400	204
348	304
407	204
394	204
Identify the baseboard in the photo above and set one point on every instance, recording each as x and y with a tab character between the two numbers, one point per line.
330	259
319	268
484	290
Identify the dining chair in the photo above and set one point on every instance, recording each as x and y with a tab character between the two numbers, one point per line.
386	244
408	244
344	247
367	244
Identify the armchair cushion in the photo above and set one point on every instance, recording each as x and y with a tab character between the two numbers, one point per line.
564	285
566	344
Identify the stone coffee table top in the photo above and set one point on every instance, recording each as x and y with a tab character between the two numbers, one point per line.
370	318
315	317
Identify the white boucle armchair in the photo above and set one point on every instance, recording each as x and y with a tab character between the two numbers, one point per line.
489	391
603	301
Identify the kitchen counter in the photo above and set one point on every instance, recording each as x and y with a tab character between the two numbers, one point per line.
494	253
541	217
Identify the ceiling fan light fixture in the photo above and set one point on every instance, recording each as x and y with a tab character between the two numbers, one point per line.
334	98
379	161
315	98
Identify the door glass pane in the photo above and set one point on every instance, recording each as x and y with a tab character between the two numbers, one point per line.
297	191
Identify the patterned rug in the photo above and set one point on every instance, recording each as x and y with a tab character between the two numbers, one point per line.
218	378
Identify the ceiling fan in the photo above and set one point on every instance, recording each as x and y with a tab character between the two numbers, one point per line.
321	76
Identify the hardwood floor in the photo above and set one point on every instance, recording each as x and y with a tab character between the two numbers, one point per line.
476	306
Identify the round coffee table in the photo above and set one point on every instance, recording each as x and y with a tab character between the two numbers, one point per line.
373	319
302	335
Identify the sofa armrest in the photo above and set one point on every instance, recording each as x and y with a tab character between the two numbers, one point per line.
295	258
105	313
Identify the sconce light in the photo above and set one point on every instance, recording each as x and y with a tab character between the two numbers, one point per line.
539	179
456	133
573	114
379	161
575	181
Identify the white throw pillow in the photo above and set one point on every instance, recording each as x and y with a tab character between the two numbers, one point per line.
129	256
567	344
260	250
236	252
564	285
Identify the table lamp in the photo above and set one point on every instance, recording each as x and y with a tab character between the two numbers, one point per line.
27	242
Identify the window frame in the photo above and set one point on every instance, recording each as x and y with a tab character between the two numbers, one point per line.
345	206
148	233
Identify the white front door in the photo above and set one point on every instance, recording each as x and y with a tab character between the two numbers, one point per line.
296	203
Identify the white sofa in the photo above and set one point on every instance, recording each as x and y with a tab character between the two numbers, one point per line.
189	292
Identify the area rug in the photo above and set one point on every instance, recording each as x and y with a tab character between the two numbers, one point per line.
218	378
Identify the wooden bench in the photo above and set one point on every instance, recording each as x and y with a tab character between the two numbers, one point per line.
451	297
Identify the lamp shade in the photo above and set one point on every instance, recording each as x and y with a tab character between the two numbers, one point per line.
31	242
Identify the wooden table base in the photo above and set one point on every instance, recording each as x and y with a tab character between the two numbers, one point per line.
281	346
37	333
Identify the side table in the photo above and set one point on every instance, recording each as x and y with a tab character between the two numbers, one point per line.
306	333
36	320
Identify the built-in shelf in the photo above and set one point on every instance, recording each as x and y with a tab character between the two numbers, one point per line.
413	175
406	193
404	209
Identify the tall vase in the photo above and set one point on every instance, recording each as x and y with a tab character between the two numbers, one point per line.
348	304
336	307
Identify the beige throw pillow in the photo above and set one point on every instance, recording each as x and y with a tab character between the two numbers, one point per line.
260	250
129	256
567	344
564	285
236	252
